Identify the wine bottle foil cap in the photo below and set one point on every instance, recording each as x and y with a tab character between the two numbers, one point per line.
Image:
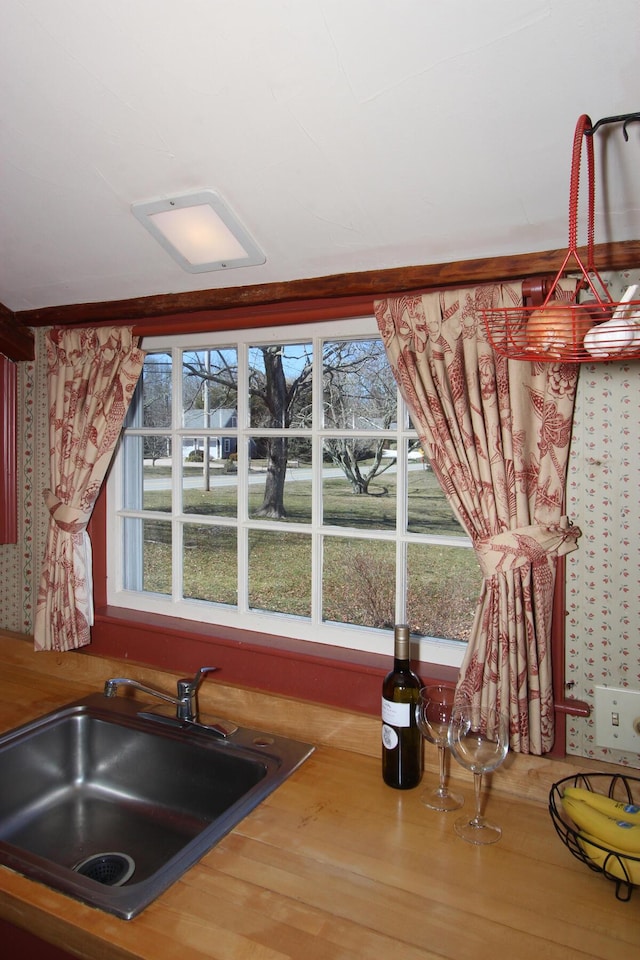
401	638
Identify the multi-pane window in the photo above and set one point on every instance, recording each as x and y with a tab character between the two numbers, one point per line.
272	481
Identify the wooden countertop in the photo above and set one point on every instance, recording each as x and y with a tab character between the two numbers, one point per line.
334	865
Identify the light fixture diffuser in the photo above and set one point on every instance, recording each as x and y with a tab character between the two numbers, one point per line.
199	232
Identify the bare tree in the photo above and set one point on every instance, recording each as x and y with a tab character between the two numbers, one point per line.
359	393
278	399
275	401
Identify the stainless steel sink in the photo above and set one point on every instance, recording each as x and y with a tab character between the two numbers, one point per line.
109	803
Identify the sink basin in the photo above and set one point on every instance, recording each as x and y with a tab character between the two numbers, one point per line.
110	803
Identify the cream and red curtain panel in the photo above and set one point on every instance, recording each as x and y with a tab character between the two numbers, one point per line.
497	434
91	377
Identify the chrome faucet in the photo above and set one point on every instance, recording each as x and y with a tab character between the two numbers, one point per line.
186	702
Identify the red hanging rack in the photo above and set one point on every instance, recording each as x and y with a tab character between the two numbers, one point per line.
562	329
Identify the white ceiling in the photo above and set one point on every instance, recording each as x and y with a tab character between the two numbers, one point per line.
347	135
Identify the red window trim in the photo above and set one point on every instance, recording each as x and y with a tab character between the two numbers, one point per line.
8	476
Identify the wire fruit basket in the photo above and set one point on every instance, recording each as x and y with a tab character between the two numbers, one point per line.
620	869
563	329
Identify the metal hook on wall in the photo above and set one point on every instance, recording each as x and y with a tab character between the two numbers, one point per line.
624	118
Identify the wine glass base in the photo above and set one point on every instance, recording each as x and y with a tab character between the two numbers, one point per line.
479	831
442	802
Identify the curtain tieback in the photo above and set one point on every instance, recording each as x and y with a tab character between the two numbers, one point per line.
525	545
69	519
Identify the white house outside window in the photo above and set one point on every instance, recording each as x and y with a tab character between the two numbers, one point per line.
271	480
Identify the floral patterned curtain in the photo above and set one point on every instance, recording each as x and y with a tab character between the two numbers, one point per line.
91	375
497	434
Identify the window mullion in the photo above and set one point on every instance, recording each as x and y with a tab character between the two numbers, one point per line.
242	474
317	547
177	538
402	494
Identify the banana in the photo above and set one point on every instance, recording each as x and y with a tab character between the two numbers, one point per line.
613	862
621	834
616	809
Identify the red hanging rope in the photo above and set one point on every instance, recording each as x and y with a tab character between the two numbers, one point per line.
589	272
584	124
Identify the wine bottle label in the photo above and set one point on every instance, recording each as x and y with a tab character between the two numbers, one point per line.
396	714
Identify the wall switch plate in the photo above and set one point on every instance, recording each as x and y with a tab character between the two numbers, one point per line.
617	717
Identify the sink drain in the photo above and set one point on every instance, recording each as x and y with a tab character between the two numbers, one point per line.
112	869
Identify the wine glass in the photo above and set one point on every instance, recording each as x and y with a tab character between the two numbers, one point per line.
478	741
433	713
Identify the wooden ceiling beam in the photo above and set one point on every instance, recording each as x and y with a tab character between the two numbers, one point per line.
16	340
367	285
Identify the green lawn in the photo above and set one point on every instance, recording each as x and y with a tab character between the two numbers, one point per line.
358	575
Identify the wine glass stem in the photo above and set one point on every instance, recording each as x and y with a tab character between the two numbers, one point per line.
443	789
477	786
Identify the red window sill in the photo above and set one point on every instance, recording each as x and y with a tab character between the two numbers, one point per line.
307	671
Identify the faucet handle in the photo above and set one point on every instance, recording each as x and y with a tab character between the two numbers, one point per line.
188	686
187	694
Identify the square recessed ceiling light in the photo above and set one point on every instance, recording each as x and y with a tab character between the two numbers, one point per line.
199	232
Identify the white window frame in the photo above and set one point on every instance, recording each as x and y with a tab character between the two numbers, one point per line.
430	650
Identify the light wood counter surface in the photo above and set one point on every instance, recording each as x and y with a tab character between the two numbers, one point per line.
334	865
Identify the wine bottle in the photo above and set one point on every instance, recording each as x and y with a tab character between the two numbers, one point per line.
401	737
